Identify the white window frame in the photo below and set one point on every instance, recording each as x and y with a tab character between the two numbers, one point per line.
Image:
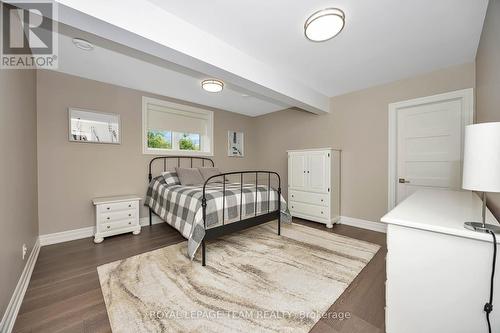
176	106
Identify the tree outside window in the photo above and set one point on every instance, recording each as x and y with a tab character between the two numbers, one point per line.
189	141
159	139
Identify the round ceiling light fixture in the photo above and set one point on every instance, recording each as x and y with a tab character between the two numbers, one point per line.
83	44
324	24
212	85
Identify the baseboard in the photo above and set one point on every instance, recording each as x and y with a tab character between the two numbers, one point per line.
66	236
364	224
10	315
69	235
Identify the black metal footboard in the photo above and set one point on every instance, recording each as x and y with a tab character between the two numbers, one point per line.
224	229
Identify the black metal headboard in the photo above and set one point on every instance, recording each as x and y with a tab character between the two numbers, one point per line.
178	158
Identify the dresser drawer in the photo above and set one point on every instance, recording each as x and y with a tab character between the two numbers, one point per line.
311	210
309	198
118	206
105	227
117	216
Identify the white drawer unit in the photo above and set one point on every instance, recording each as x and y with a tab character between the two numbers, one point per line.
438	272
314	184
116	215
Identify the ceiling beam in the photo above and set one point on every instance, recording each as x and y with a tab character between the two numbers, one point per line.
143	26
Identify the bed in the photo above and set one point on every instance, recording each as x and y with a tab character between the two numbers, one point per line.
223	204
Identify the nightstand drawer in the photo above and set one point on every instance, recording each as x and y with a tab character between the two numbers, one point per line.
309	198
117	216
118	206
104	227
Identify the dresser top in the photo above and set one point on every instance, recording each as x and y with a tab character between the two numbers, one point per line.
118	198
442	211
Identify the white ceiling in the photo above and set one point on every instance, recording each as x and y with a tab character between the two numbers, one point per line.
143	27
383	40
115	64
167	47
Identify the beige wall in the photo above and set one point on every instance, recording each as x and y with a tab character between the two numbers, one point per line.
71	174
488	78
357	124
18	176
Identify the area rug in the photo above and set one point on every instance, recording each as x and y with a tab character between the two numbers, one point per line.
254	281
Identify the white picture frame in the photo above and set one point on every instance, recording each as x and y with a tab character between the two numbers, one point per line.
235	144
89	126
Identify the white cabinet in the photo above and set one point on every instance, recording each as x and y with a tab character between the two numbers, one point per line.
438	272
116	215
314	184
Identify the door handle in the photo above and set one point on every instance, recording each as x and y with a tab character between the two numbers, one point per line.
403	181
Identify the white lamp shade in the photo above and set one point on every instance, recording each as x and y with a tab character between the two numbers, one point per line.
482	157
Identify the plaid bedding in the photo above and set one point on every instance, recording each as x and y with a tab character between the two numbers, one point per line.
180	206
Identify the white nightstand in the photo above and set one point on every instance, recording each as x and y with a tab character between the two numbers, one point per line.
116	215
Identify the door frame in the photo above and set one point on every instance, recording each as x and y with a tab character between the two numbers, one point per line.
467	98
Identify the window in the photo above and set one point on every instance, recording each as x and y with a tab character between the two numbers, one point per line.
93	127
170	128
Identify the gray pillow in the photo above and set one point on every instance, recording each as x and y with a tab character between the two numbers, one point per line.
209	172
189	176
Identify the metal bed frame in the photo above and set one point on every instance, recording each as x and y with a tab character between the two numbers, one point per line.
225	229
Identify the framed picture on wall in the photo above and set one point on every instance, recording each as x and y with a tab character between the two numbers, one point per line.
235	145
94	127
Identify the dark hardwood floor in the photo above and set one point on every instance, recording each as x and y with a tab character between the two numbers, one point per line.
64	294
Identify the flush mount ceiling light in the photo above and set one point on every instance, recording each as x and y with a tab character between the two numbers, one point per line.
212	85
83	44
324	24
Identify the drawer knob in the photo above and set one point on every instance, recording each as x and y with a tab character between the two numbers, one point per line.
130	223
292	195
321	212
321	200
108	227
129	214
107	208
292	206
129	206
107	218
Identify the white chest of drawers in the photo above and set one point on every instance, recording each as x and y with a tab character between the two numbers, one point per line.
116	215
438	272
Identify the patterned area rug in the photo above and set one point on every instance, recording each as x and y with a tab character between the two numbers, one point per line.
254	281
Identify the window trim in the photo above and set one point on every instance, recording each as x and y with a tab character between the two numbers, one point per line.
165	152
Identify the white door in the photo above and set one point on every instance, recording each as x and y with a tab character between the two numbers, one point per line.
297	170
429	145
318	171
